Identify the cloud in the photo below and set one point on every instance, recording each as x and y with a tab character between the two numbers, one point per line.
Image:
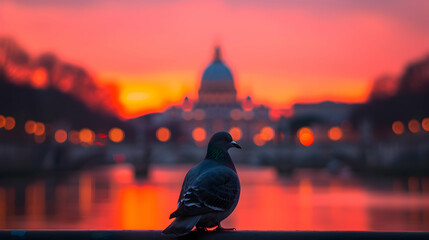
413	13
80	3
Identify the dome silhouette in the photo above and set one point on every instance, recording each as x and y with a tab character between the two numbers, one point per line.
217	70
217	85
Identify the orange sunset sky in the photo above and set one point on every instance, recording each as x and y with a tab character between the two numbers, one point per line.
280	52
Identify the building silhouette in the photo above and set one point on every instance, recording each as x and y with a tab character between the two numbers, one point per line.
216	109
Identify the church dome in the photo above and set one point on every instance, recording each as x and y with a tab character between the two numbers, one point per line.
217	84
217	70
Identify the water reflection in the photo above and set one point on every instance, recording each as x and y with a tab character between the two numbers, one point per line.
112	198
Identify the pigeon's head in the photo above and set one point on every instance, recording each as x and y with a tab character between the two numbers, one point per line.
222	141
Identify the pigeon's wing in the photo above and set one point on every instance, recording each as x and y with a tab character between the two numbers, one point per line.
190	177
215	190
184	186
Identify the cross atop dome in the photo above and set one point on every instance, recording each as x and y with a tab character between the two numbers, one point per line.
217	56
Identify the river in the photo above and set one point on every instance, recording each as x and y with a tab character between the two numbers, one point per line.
111	197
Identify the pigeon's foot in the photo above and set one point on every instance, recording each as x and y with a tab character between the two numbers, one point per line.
221	229
200	229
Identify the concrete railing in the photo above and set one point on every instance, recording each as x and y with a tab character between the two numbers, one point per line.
235	235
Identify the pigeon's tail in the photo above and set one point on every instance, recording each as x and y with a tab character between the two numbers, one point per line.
181	226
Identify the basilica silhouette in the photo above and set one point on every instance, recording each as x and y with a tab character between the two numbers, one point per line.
216	109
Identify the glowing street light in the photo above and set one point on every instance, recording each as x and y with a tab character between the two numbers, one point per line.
163	134
86	136
335	133
30	126
258	140
305	136
267	133
116	135
9	123
60	136
398	127
40	129
199	134
414	126
235	133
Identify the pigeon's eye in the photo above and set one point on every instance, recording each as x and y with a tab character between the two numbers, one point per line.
224	139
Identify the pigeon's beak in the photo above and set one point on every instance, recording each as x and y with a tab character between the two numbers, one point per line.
234	144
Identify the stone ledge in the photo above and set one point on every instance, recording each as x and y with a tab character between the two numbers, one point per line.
236	235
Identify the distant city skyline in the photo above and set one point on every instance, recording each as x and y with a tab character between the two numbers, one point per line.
280	52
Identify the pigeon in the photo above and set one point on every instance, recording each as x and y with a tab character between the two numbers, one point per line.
210	191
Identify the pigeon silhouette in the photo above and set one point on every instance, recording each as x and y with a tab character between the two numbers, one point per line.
210	191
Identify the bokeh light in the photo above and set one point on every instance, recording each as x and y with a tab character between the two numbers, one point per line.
258	140
199	114
335	133
60	136
86	136
267	133
236	114
163	134
425	124
414	126
303	130
30	126
398	127
306	139
235	133
305	136
199	134
39	78
2	121
40	129
116	135
9	123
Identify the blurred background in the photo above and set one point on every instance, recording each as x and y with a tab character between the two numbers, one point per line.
105	105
